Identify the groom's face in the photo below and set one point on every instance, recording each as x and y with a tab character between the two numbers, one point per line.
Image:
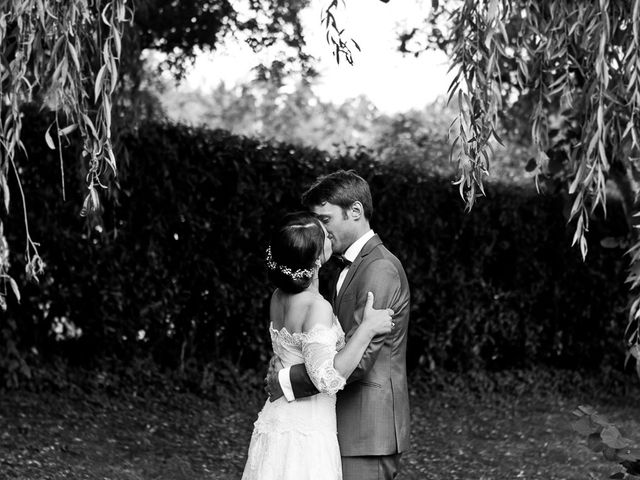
339	225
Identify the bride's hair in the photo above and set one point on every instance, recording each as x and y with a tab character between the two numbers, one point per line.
297	241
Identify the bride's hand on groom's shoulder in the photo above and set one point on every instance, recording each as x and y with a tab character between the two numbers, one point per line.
378	322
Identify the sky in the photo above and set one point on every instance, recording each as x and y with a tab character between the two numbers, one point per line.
394	82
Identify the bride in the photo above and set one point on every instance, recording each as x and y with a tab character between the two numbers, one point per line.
298	440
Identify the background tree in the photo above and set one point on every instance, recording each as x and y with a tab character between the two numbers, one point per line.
289	110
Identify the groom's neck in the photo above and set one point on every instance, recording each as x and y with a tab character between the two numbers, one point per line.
360	229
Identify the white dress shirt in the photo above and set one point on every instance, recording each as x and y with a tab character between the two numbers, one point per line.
350	254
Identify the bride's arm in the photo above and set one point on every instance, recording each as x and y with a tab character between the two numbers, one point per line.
298	382
347	359
328	369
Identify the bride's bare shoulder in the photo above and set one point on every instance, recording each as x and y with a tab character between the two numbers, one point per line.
319	313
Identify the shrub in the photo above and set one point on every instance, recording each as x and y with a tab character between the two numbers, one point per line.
174	269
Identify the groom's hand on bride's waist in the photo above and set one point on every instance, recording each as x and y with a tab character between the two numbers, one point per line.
271	382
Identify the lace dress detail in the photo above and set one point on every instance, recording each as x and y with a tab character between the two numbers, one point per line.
298	440
319	347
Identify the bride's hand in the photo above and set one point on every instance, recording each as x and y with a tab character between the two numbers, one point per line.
378	322
271	381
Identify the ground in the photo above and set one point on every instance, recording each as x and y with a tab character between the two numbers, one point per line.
498	426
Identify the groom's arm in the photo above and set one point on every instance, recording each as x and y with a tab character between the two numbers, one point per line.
383	279
292	382
297	384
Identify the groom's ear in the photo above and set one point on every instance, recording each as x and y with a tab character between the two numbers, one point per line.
357	210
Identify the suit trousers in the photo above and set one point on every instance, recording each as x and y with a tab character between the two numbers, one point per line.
384	467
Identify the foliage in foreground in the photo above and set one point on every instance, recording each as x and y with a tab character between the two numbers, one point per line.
567	76
603	436
65	55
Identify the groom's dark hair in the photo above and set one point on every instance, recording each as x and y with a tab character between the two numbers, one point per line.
341	188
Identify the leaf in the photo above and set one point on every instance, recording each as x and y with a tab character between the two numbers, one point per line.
584	426
497	137
89	123
577	205
610	454
48	139
112	160
583	247
611	437
99	80
6	195
68	129
107	115
74	56
14	287
106	52
118	43
599	419
594	442
493	10
85	206
104	14
630	455
114	74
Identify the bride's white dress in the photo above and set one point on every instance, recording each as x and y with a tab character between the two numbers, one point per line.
298	440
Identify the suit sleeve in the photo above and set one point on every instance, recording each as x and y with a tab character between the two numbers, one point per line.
301	382
381	278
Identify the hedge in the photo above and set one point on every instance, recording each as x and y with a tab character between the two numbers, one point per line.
174	269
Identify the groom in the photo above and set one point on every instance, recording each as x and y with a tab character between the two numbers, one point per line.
373	409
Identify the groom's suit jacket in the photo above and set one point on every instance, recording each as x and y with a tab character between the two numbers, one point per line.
373	408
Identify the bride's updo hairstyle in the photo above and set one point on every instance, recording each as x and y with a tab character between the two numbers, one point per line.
296	243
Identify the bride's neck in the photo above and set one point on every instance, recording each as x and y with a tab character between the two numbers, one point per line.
314	287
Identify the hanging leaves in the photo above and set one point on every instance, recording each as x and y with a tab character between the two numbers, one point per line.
570	66
335	35
49	46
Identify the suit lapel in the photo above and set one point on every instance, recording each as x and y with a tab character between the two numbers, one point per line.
353	268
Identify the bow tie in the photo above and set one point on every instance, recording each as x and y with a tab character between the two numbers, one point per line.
342	261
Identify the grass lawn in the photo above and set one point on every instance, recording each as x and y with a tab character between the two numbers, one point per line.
463	428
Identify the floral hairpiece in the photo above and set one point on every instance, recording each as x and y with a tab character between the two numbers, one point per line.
295	274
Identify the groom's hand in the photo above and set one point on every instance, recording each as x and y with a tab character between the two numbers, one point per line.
271	382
